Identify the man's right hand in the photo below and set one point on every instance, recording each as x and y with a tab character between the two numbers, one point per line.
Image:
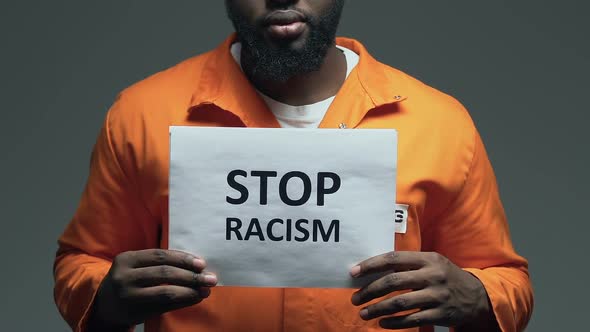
142	284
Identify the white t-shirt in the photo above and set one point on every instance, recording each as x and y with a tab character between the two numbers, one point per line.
303	116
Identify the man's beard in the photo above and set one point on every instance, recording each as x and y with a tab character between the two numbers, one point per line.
280	63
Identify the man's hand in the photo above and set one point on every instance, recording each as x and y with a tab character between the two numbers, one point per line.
141	284
442	293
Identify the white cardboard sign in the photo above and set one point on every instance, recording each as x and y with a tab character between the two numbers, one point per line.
282	207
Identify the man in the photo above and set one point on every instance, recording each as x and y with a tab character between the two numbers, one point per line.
455	265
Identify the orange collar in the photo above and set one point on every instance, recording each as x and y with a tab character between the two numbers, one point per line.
223	84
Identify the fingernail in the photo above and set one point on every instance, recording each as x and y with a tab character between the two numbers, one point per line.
355	271
211	279
356	298
199	263
364	314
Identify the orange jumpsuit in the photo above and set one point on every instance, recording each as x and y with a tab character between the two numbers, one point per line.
444	175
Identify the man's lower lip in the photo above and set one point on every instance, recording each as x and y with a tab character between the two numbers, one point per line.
287	31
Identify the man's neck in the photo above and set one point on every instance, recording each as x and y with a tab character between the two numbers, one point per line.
307	88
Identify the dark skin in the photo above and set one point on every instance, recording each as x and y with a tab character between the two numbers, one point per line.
146	283
306	88
445	294
142	284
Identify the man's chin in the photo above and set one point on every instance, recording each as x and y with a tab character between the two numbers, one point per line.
278	60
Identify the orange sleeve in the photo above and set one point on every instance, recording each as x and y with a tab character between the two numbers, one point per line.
110	219
473	233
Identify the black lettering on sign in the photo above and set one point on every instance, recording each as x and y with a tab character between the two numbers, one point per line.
299	227
269	232
322	190
306	188
254	230
264	175
289	230
233	225
231	180
318	227
279	230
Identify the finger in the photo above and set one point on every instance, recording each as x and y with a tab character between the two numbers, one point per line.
396	261
156	257
422	299
388	284
420	318
172	275
161	299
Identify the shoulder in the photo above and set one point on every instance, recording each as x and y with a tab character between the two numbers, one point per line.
143	111
174	84
435	128
438	118
430	105
146	109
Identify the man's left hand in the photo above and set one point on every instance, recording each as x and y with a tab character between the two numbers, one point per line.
441	293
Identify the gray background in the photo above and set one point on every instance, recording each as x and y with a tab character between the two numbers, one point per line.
521	68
